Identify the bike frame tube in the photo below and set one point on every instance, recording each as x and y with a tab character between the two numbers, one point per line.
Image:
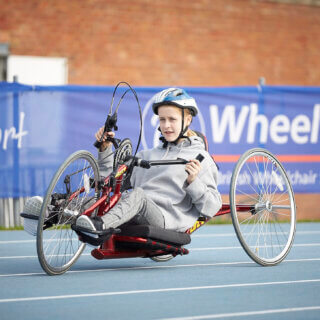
103	203
108	249
225	209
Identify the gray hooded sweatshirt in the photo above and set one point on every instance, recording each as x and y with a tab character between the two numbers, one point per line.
181	204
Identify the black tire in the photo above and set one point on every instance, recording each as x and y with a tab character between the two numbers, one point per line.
58	245
266	230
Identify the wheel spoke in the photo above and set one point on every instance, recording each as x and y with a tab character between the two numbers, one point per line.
248	195
253	179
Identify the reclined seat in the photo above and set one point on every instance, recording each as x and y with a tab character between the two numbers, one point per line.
155	233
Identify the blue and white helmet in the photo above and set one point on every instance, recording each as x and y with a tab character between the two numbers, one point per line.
176	97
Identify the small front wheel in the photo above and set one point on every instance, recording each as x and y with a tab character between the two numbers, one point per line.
71	190
263	208
162	258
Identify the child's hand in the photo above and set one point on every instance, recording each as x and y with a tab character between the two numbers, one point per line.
104	143
193	168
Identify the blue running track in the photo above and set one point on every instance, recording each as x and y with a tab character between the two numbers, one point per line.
217	280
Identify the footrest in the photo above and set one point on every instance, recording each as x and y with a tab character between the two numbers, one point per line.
95	232
95	238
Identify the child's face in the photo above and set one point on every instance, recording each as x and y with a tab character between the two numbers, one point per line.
170	118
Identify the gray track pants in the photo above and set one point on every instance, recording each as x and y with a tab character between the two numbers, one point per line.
135	207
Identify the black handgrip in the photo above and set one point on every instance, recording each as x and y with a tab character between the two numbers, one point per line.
200	157
98	144
111	123
138	162
143	164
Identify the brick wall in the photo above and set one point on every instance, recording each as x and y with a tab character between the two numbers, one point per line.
169	42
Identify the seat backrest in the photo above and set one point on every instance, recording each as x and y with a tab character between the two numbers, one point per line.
204	138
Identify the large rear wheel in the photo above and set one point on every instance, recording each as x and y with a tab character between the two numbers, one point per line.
72	189
263	207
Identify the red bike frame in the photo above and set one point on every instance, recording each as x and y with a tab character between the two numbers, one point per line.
110	248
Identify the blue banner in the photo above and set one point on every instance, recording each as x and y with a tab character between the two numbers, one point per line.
41	126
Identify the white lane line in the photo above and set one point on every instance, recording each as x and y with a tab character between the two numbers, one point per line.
193	236
34	241
190	249
157	267
233	234
244	314
239	247
116	293
135	268
17	241
28	257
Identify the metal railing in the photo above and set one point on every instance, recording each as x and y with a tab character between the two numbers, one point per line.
10	209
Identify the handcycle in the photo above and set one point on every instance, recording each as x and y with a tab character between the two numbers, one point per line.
262	208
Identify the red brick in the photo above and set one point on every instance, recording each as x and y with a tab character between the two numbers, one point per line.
190	43
170	42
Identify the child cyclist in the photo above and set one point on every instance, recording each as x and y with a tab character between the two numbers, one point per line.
171	197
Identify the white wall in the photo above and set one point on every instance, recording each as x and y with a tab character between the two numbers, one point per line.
34	70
